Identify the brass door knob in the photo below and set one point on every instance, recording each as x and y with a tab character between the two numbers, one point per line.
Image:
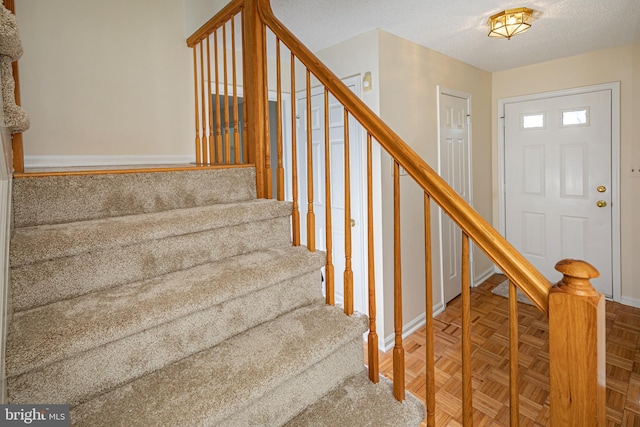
601	203
601	188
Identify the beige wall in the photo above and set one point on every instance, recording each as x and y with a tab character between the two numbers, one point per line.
405	79
618	64
410	75
106	78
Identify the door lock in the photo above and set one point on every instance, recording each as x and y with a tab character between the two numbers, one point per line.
353	222
601	188
601	203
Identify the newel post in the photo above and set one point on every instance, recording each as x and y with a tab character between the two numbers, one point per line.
577	371
255	83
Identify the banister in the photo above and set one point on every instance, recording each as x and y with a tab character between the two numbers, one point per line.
207	28
520	271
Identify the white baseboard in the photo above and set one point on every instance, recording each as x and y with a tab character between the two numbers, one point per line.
633	302
479	279
75	161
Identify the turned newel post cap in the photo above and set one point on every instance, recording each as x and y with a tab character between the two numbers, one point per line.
576	275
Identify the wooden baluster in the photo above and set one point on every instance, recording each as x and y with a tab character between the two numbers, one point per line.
204	141
348	270
195	85
295	210
467	403
328	269
236	136
17	146
210	160
430	354
280	170
372	339
255	87
268	171
514	393
227	136
311	217
219	159
398	350
244	104
577	348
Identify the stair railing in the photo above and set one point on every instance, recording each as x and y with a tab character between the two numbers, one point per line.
574	308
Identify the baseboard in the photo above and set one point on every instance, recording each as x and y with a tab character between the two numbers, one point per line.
479	279
411	327
633	302
75	161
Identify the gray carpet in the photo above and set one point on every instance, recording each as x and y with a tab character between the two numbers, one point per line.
177	300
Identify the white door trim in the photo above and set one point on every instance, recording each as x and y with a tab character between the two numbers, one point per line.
614	87
442	90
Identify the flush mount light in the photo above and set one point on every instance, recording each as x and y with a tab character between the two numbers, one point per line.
510	22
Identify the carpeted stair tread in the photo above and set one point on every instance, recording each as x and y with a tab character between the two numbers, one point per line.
44	282
75	379
58	199
209	386
38	243
43	335
359	402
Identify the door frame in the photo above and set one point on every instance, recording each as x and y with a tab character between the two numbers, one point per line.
614	87
442	90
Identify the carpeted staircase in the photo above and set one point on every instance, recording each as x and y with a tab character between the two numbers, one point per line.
176	299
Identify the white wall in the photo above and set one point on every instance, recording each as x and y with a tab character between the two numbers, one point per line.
617	64
106	78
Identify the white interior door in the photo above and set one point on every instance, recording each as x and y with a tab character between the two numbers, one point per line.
336	142
455	169
558	181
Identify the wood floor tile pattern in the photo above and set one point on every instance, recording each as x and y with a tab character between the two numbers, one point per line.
490	365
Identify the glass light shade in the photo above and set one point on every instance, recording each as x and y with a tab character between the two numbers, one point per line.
510	22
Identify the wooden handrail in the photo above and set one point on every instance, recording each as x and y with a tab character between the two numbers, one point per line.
210	26
520	271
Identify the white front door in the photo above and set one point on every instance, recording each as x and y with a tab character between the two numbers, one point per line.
455	169
558	181
336	143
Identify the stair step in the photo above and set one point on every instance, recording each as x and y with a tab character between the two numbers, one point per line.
75	379
46	281
359	402
43	242
212	385
59	199
56	331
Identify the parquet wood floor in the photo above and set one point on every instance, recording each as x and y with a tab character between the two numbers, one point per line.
490	346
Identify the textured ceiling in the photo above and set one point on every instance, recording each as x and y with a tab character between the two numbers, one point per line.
458	28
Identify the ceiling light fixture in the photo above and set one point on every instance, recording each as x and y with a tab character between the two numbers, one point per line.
510	22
